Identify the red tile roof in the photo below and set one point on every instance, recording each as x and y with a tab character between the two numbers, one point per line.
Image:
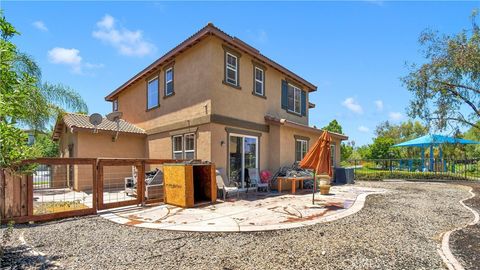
81	121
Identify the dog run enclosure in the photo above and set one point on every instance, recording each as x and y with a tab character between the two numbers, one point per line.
53	188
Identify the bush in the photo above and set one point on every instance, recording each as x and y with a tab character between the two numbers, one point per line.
380	175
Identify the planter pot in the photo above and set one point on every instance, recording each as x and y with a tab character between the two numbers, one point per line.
325	189
324	180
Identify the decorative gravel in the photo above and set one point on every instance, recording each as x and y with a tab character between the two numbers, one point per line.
397	230
465	244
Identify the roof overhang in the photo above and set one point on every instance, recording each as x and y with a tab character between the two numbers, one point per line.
287	123
210	30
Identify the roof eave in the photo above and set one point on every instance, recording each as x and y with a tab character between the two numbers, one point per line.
288	123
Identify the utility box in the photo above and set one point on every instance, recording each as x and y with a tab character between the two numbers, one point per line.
344	176
187	185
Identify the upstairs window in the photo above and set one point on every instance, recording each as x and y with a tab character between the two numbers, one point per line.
259	81
301	147
294	99
152	94
169	82
231	69
183	146
115	105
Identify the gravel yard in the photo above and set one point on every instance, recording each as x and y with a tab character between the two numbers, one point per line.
465	244
397	230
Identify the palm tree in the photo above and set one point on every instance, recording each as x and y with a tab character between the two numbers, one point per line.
48	101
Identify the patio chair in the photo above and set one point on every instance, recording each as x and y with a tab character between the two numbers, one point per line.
226	190
255	179
153	180
131	182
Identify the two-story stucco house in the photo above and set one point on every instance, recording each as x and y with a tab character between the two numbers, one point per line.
213	97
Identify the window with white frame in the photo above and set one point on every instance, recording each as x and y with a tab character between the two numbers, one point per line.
183	146
169	82
231	69
152	94
177	147
294	99
259	81
301	147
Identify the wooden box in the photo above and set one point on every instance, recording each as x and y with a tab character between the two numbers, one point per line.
187	185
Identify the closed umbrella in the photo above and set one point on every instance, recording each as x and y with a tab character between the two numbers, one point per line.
318	159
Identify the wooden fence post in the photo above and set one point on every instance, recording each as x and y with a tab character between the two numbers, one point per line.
30	195
141	182
2	194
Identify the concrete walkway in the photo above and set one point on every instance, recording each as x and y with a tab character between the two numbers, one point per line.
252	212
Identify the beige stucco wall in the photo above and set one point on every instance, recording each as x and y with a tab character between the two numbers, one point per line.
253	108
192	84
100	145
287	144
199	91
159	146
219	150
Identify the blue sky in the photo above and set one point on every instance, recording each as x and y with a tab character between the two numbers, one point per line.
355	52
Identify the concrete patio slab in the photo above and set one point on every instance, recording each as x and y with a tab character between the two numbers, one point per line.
251	212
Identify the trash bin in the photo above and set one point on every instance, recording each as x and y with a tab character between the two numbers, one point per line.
187	185
343	176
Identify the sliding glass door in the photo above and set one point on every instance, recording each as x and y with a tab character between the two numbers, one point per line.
243	154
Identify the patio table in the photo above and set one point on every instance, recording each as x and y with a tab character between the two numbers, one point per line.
294	182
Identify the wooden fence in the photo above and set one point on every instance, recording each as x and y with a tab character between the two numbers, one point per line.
66	187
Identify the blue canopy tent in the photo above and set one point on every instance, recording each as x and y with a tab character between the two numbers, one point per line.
430	141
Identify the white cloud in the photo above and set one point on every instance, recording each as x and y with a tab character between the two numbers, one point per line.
363	129
40	26
395	116
352	105
70	57
379	105
127	42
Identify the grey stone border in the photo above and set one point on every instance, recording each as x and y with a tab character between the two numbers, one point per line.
444	250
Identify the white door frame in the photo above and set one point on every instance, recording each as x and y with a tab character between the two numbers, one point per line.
243	155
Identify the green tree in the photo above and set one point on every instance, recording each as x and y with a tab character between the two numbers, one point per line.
473	134
446	88
25	100
402	132
362	152
44	146
334	126
345	148
346	151
382	149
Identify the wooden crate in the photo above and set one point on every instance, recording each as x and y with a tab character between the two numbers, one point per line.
187	185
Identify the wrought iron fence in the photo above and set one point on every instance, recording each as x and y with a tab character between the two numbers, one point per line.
441	169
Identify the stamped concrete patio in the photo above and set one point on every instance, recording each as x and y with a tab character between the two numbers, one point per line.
251	212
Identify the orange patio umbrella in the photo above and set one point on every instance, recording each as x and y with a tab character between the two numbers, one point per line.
318	159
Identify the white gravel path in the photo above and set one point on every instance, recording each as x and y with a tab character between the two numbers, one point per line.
397	230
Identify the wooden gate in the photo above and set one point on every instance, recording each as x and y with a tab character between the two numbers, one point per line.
120	181
56	188
46	192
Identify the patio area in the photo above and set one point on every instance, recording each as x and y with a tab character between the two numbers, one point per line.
250	212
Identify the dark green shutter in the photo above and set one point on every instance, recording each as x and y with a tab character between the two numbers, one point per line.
284	95
304	103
